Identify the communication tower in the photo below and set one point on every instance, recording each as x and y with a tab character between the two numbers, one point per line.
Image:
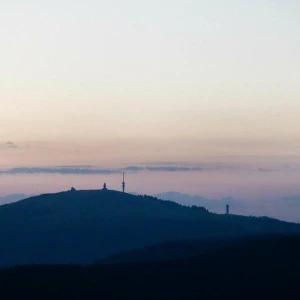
123	183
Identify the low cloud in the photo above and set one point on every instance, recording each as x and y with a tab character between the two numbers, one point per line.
92	170
11	145
174	169
134	168
89	170
282	169
61	170
266	170
8	145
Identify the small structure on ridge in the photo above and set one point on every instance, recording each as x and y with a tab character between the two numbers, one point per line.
123	183
227	209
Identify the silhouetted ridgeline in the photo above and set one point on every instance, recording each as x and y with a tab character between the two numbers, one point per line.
257	269
84	226
177	250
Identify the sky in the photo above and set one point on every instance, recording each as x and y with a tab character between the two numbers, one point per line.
117	83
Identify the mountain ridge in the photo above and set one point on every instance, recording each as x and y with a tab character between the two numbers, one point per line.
84	226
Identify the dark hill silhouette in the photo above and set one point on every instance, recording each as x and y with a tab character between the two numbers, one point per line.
83	226
167	251
174	250
256	269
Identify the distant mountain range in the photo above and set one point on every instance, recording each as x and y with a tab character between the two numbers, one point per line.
12	198
286	208
213	205
85	226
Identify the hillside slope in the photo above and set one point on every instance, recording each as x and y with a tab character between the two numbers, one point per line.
258	269
83	226
181	249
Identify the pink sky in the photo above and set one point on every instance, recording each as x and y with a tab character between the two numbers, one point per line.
112	84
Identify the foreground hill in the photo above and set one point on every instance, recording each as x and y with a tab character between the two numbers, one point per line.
83	226
174	250
257	269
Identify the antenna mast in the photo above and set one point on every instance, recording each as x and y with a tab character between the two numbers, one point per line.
123	183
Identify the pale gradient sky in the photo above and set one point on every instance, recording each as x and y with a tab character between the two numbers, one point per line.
114	83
